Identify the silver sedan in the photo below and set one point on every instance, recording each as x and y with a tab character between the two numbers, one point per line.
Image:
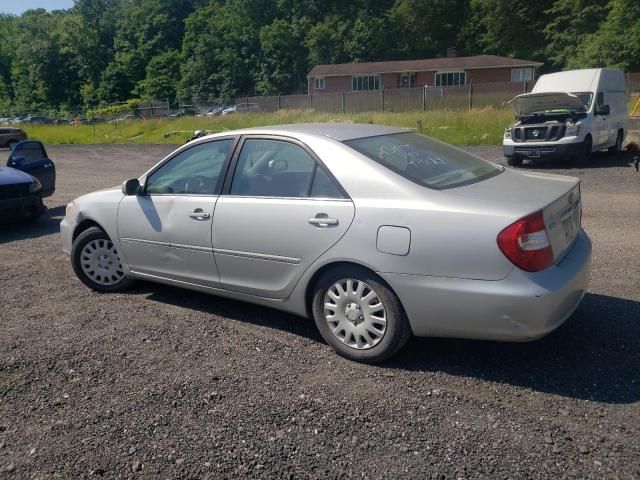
378	233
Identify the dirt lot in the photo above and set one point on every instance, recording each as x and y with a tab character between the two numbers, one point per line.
165	383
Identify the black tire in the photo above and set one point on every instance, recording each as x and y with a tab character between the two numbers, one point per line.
514	161
34	214
587	146
398	330
617	148
89	235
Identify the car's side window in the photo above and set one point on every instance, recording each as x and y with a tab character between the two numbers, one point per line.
323	186
193	171
272	168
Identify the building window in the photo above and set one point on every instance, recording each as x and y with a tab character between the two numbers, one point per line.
319	83
521	74
408	80
365	82
449	79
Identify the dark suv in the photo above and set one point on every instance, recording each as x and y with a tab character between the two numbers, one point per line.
9	137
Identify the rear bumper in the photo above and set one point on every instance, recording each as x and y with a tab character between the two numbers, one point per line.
542	150
523	306
15	208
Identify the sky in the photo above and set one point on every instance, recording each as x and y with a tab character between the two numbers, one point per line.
18	6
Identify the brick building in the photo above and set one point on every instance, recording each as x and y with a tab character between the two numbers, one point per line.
439	72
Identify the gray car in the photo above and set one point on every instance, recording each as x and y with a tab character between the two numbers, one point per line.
376	232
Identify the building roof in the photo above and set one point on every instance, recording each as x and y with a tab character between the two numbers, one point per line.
478	61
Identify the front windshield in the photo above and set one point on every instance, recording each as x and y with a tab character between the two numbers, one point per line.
424	160
585	98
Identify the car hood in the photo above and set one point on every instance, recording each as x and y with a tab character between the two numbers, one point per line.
546	101
10	176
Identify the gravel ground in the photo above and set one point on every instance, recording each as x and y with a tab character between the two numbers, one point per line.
165	383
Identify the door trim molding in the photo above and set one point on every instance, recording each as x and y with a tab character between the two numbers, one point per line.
258	256
167	244
218	251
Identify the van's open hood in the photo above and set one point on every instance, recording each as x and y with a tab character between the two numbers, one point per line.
540	102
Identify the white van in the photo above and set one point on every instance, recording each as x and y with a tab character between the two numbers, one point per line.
568	115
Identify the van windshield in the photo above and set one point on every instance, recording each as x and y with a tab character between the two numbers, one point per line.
585	98
424	160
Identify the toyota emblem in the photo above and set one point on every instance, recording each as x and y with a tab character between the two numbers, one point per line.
535	133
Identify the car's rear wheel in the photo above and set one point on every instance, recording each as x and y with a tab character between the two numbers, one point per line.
96	262
359	315
514	161
617	148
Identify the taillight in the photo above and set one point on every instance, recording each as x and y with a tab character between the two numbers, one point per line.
526	244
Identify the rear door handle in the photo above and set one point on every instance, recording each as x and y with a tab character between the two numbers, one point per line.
199	214
322	220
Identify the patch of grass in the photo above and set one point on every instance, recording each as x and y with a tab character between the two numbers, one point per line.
476	127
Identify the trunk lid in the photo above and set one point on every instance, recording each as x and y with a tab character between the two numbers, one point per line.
514	195
528	103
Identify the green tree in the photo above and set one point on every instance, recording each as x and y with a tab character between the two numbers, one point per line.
220	51
425	29
616	43
570	21
504	27
162	77
282	59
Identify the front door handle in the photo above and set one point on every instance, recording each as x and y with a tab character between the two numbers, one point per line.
322	220
199	214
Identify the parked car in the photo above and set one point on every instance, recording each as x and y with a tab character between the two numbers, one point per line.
376	232
214	112
31	157
241	108
568	115
183	112
37	120
28	177
9	137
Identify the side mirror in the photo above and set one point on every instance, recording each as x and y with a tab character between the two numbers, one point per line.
131	187
603	110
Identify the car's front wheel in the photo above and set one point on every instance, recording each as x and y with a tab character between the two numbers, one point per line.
359	315
96	262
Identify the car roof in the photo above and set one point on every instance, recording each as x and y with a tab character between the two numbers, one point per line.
338	131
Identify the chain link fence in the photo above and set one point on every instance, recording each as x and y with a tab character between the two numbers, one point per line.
392	100
454	98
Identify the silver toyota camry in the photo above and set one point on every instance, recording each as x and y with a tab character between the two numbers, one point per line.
376	232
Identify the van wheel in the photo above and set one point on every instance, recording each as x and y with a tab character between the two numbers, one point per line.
587	146
514	161
359	315
617	148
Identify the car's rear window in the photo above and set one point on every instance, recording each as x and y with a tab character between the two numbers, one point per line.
424	160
